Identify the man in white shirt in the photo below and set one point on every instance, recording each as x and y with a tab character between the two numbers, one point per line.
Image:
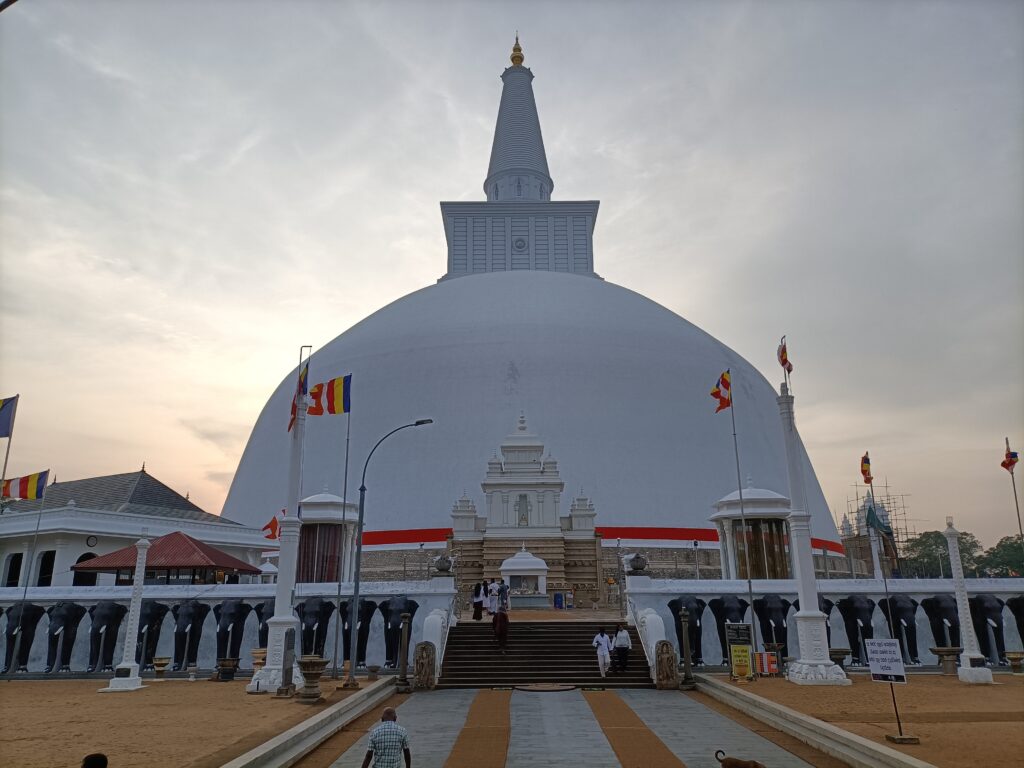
603	643
621	646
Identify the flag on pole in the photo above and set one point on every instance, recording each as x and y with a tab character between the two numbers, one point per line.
334	394
301	388
723	392
874	521
27	487
865	468
273	528
784	356
8	406
1011	458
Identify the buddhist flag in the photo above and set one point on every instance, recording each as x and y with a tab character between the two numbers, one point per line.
874	521
301	388
784	356
1011	458
722	392
8	406
332	397
28	487
865	468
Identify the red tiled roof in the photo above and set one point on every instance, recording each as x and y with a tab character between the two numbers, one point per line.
175	550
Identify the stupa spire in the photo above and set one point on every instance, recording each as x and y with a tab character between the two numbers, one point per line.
518	170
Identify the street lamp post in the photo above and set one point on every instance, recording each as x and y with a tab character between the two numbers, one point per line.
353	612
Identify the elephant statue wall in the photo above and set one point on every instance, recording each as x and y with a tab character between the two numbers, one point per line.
730	609
987	611
900	612
151	619
106	618
772	612
392	610
695	607
230	616
1016	606
63	629
314	618
264	611
22	619
366	610
825	606
943	617
188	631
856	611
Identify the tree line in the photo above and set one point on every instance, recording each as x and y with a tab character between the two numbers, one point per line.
927	556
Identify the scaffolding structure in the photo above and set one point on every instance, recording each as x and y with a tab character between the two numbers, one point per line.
891	507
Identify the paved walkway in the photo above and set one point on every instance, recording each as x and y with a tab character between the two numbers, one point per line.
627	728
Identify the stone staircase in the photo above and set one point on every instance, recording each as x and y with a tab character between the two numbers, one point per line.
538	652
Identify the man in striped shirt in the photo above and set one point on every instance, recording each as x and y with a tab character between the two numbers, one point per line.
388	743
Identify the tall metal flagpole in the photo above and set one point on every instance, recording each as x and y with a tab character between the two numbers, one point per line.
24	593
743	517
341	542
10	437
1013	481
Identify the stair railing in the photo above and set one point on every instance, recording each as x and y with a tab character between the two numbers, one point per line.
650	628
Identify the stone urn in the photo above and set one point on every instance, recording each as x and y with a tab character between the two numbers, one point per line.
160	664
226	669
259	659
443	564
947	658
373	671
637	563
1016	659
312	668
838	655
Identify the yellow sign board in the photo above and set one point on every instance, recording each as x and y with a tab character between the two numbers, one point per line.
740	655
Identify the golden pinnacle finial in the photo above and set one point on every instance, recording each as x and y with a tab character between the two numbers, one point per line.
517	53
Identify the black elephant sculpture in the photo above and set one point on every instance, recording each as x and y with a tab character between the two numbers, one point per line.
106	618
230	616
857	611
987	611
151	620
366	610
944	620
1016	606
314	618
695	608
729	609
772	613
264	612
825	606
188	631
900	612
392	610
22	620
64	620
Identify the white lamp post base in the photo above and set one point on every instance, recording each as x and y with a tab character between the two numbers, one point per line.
124	682
975	675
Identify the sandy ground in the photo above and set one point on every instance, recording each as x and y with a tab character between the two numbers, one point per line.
959	725
51	723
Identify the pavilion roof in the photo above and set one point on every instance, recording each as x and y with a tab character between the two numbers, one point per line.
175	550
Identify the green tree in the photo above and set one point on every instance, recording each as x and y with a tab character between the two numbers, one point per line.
927	555
1006	558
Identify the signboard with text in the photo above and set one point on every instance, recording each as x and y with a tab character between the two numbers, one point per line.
738	637
885	661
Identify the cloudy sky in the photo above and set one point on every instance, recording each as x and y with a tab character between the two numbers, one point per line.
190	190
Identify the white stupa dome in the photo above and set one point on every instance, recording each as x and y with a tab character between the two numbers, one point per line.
615	385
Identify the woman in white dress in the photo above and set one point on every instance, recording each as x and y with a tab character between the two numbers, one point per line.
492	598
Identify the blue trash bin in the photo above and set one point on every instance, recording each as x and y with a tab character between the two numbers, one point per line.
559	601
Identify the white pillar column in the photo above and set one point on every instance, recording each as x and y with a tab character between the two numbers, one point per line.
126	676
968	639
814	667
63	576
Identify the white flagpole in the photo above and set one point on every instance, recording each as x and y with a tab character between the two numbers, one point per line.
743	517
10	437
341	544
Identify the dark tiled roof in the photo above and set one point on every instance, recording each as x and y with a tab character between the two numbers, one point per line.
175	550
132	492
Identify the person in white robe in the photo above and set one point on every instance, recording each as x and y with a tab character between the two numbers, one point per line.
603	644
492	598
